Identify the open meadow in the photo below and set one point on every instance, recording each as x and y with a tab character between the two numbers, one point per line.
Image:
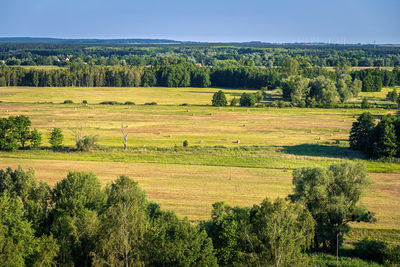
237	155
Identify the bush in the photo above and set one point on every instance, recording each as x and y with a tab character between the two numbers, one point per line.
86	143
110	103
219	99
129	103
392	255
247	100
185	143
368	249
234	102
84	102
151	103
68	101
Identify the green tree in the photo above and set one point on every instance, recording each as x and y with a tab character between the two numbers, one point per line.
76	202
171	241
365	104
290	66
281	232
295	88
219	99
247	100
384	141
21	126
8	140
120	239
324	91
17	240
392	95
23	185
361	131
35	138
332	196
56	138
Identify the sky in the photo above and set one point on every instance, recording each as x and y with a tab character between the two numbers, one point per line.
276	21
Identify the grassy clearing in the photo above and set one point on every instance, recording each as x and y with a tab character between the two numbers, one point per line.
237	155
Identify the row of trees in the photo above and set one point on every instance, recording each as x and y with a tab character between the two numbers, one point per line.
380	140
79	223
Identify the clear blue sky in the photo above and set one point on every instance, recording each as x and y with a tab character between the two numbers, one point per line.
206	20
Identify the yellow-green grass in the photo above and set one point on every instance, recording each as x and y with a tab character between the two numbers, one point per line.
272	142
206	126
95	95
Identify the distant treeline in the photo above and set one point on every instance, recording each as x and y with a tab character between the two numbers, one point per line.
267	55
184	74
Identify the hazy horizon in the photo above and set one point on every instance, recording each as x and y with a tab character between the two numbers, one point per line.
308	21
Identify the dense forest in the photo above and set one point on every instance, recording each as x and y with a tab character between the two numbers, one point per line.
217	55
78	223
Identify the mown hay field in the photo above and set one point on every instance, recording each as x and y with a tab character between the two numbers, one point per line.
237	155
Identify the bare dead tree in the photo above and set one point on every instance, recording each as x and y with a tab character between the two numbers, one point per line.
124	135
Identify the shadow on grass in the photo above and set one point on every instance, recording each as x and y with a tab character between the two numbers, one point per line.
319	150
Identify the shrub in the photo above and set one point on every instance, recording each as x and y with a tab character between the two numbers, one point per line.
129	103
68	101
86	143
370	250
219	99
392	255
234	102
247	100
84	102
185	143
151	103
110	103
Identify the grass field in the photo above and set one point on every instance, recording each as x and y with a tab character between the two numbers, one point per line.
237	155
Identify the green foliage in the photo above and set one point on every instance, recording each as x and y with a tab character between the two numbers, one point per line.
332	196
383	140
56	138
120	239
151	104
365	104
185	143
130	103
76	201
86	143
247	100
174	242
234	102
361	131
273	233
14	130
84	102
68	101
35	138
324	91
219	99
370	250
392	96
